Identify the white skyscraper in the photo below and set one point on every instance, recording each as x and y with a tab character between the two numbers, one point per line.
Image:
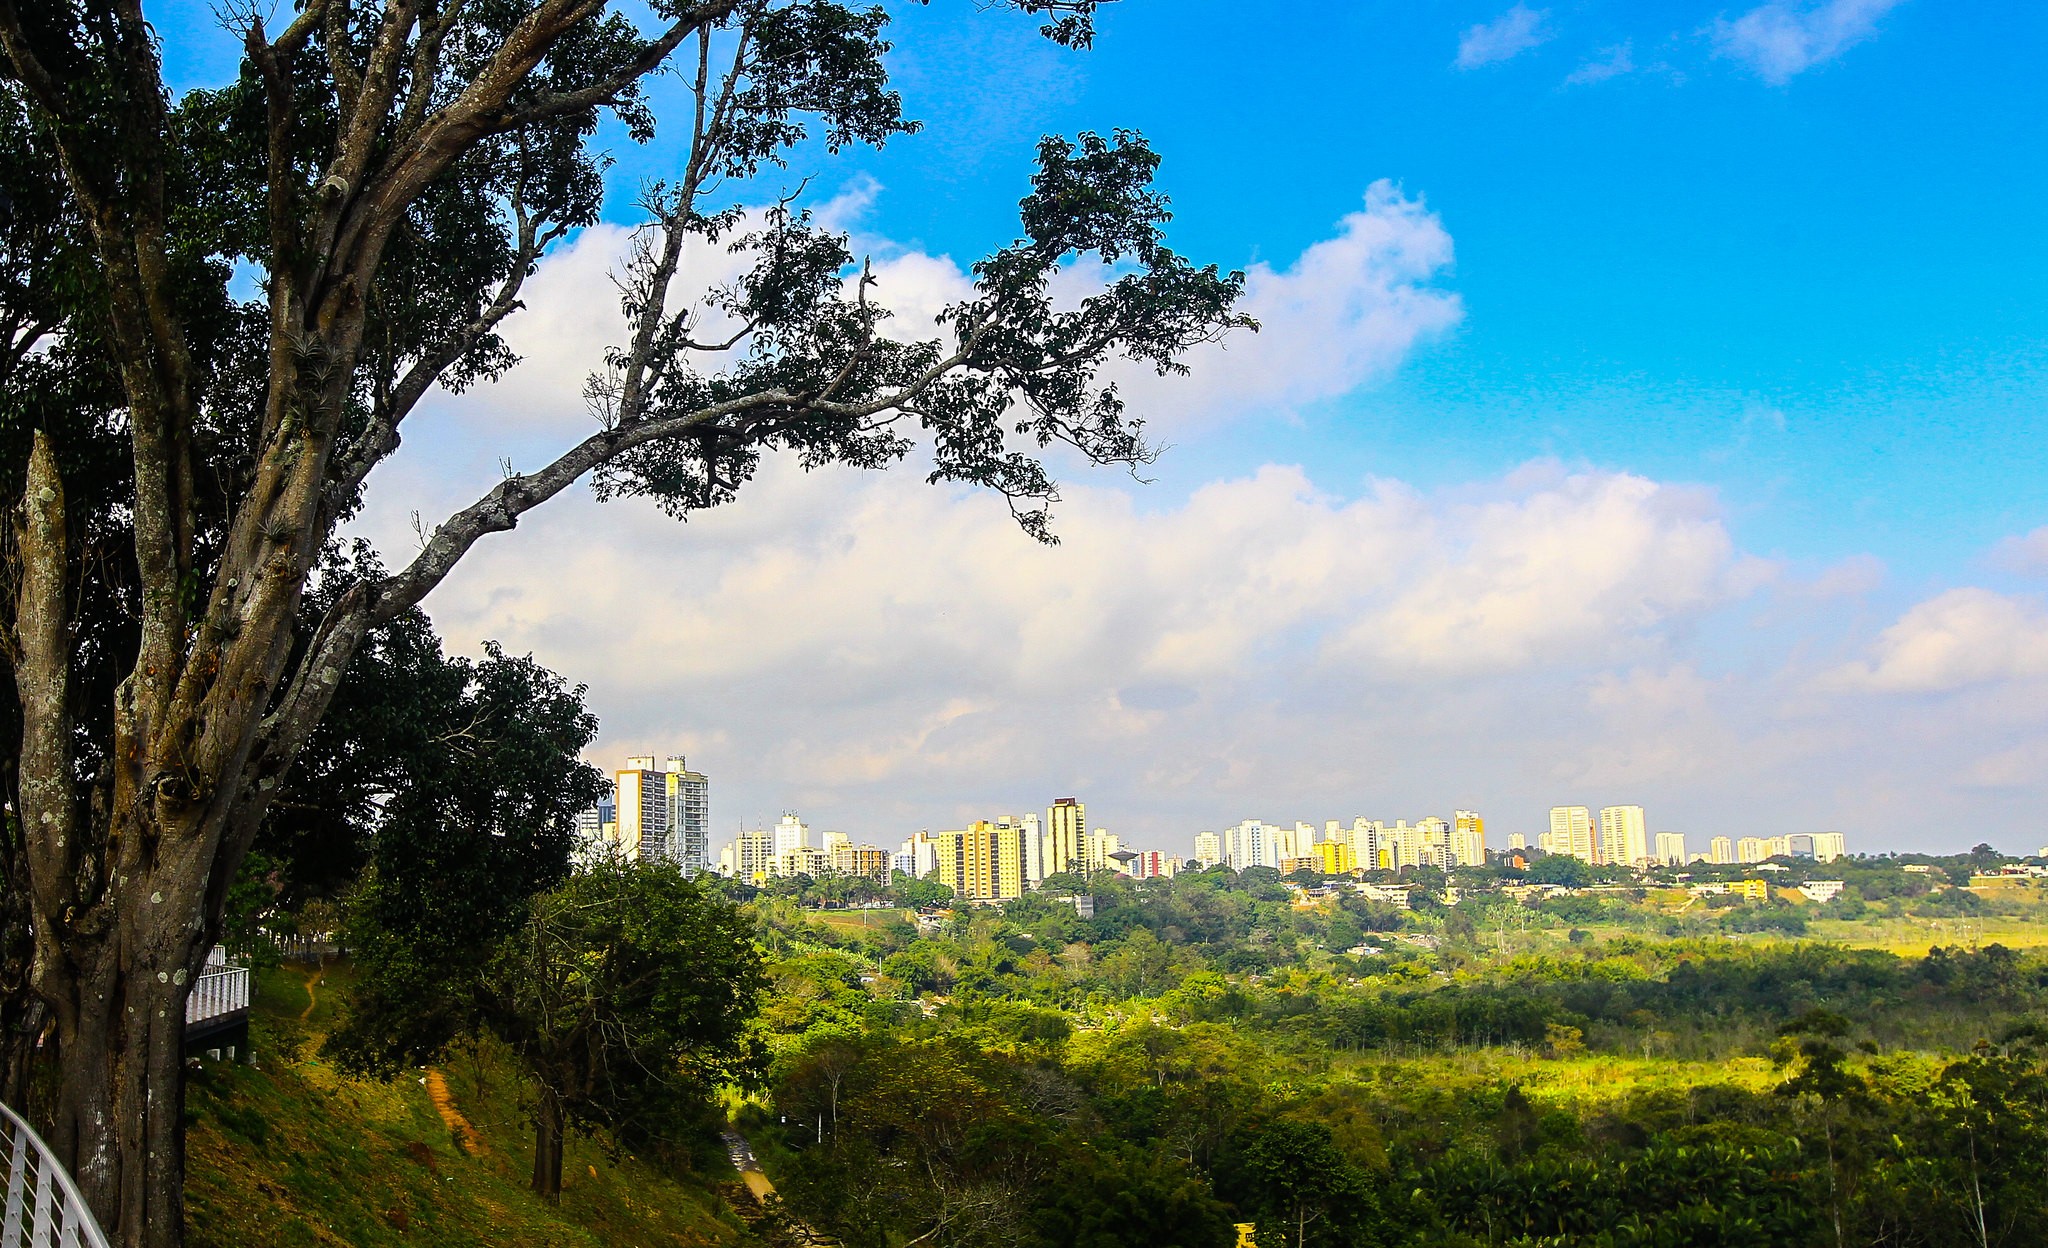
1208	849
664	812
1571	832
1622	838
1671	848
1251	843
791	833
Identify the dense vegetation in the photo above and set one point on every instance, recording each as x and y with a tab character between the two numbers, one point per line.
1583	1069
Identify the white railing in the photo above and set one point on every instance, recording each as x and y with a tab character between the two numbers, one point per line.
218	990
43	1208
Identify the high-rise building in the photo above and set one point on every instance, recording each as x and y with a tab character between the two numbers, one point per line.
919	856
1468	838
802	860
1571	832
598	826
1517	842
750	856
1251	843
1622	839
1034	850
984	861
1720	851
1671	848
1101	844
1334	857
664	813
862	860
791	833
1152	864
1828	846
1066	836
1752	849
1366	843
1208	849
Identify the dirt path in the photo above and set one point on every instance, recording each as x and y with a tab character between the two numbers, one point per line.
763	1191
437	1091
312	982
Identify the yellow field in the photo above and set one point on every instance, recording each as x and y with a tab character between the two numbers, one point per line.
1913	937
857	920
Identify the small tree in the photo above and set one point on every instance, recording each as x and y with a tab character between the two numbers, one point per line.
625	996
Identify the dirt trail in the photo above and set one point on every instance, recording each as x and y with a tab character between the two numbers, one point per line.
471	1139
312	982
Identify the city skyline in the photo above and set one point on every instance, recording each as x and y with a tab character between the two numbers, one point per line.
673	813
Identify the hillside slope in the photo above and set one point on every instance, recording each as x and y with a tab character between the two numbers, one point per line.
292	1152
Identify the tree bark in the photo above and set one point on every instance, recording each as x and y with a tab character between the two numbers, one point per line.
547	1145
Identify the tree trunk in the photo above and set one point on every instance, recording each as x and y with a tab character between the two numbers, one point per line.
119	1117
547	1145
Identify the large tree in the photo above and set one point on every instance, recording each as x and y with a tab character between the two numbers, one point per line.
393	171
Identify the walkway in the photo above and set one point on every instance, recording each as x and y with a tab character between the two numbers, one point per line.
743	1160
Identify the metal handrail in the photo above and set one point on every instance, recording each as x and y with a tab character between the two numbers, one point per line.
43	1208
218	990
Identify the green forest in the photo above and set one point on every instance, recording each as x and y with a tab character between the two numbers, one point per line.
1203	1052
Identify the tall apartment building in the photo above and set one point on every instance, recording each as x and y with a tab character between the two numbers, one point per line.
1251	843
598	826
1403	844
1367	843
1100	845
1622	839
1066	836
791	833
1208	849
1335	857
664	813
1152	864
984	861
750	856
1571	832
1721	851
918	857
1468	838
1828	846
1034	850
1752	849
862	860
1671	848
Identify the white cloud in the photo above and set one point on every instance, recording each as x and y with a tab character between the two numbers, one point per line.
1781	40
2025	553
1509	35
1584	565
1612	62
1959	638
849	639
1349	309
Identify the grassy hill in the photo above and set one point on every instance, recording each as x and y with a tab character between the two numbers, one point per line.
292	1152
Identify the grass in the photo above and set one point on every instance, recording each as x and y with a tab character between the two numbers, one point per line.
293	1152
1912	937
856	920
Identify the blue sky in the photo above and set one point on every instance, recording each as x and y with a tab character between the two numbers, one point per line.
1752	291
